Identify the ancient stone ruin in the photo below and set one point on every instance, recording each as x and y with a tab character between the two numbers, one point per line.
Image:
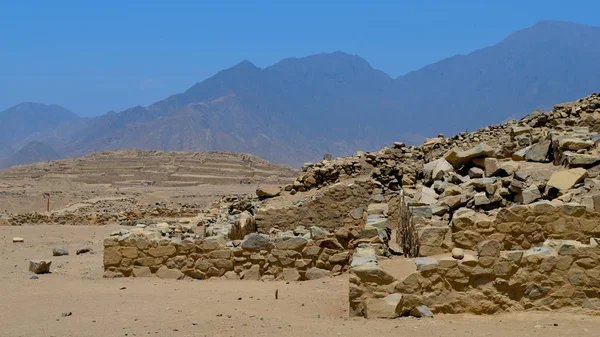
505	218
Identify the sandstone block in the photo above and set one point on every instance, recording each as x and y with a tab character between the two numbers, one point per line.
539	152
371	272
316	273
112	256
339	258
166	273
225	254
387	307
231	275
291	274
458	159
564	180
162	251
142	272
296	243
212	243
253	273
489	248
129	252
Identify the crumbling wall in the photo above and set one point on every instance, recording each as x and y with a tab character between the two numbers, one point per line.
149	253
560	274
336	206
526	226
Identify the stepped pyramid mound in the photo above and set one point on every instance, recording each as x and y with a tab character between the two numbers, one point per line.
122	167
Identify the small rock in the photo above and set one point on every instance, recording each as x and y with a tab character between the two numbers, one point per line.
40	266
268	191
66	314
60	251
458	253
481	199
34	278
475	172
84	250
421	311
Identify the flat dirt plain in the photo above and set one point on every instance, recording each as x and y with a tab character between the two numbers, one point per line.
156	307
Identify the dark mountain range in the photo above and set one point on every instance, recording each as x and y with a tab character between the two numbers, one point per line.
300	108
22	120
32	153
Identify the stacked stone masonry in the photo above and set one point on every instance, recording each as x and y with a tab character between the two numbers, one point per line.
302	254
526	226
515	227
561	274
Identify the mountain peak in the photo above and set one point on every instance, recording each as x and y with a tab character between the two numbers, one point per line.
244	65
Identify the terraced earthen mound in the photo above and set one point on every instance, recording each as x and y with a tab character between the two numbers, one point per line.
126	167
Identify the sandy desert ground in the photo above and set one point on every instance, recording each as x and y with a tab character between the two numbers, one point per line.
155	307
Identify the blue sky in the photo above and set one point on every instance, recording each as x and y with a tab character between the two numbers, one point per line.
92	57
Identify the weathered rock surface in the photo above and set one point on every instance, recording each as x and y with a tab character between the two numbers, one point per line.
39	266
268	191
60	251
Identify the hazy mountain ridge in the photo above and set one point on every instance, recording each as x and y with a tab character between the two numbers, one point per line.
300	108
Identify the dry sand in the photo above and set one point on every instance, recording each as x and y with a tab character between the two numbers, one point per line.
155	307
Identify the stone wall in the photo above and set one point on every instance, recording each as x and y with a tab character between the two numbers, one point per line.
336	206
526	226
175	251
561	274
149	252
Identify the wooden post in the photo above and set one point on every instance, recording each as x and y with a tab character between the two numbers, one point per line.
47	197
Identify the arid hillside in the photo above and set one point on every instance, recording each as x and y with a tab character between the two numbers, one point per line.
134	167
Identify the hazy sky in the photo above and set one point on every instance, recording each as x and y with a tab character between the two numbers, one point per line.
112	55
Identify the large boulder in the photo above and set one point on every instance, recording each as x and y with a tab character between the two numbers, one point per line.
574	144
564	180
426	196
539	152
572	159
436	169
460	158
